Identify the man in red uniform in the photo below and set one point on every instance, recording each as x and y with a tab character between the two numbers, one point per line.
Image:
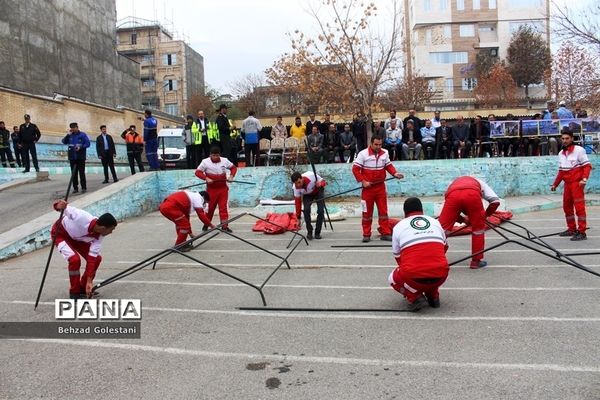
464	196
214	170
419	246
306	190
574	169
79	233
178	207
370	167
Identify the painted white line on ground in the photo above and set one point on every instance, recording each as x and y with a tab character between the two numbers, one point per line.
318	266
366	249
344	287
287	238
317	359
349	316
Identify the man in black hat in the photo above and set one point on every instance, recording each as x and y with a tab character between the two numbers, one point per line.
29	134
225	132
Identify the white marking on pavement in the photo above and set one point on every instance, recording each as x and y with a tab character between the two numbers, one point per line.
317	359
344	287
338	315
384	266
374	250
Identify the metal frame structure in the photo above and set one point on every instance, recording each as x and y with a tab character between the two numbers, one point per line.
206	236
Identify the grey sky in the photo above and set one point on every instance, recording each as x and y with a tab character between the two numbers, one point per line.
236	37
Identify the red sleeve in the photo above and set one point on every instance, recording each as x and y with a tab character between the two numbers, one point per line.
203	217
233	170
92	265
298	203
200	174
390	168
587	170
357	171
559	178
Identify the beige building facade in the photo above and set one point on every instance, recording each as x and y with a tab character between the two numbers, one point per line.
443	38
171	72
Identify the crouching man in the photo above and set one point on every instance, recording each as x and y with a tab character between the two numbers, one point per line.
178	207
78	233
419	246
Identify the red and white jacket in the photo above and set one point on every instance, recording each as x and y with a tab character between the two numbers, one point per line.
78	224
216	171
188	202
573	165
372	167
419	246
487	193
309	186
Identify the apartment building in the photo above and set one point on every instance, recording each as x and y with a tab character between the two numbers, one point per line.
171	72
443	38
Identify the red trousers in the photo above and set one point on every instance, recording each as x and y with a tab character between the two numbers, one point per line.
218	197
69	248
371	196
412	288
172	212
467	201
574	204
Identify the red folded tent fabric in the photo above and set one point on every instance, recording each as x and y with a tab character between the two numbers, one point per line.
277	223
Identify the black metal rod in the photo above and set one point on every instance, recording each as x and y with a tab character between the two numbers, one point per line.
312	164
593	253
353	190
218	180
351	246
62	212
306	309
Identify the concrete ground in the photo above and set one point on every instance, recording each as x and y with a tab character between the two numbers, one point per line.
525	327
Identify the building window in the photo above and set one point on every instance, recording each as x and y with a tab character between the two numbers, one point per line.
431	84
460	5
148	58
469	84
492	4
148	83
448	31
476	4
449	57
272	101
443	5
172	109
449	85
467	30
427	5
169	85
169	59
416	36
134	38
428	36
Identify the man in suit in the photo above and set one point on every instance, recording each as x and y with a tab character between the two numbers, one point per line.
105	148
29	134
443	140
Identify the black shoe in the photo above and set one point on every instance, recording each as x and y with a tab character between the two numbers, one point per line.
309	236
37	170
115	180
186	248
76	296
83	190
75	190
227	230
579	236
366	239
25	171
318	236
105	181
419	303
387	238
204	228
566	233
433	303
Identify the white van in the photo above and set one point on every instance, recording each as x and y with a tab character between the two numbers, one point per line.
171	148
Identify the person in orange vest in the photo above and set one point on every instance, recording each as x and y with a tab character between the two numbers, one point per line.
464	196
574	169
135	146
177	208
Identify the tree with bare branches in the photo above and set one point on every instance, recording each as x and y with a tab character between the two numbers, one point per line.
574	71
249	94
352	57
579	24
497	88
408	92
